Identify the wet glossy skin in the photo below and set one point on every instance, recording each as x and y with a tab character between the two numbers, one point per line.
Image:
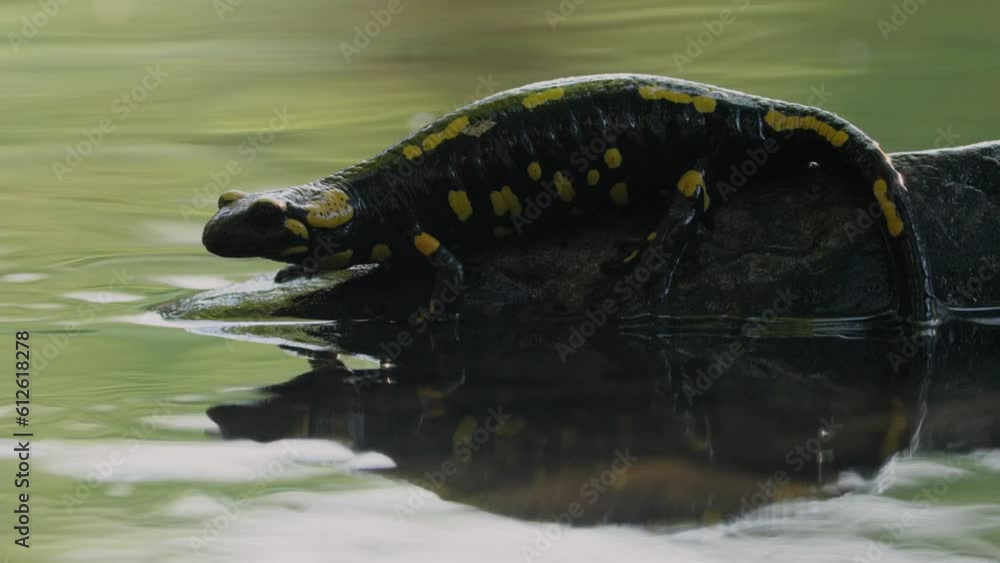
559	153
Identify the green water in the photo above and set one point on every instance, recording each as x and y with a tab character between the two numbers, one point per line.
89	244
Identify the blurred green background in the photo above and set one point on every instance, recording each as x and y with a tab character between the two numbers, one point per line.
228	68
215	73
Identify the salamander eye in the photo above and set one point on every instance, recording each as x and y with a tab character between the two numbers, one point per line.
266	211
229	197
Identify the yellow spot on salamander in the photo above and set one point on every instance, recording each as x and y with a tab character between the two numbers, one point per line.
271	201
593	177
297	228
563	187
331	210
619	194
510	197
502	232
613	158
412	151
499	204
839	139
230	196
531	101
892	218
464	430
453	129
651	236
535	171
702	104
460	204
781	122
380	253
690	182
658	93
632	256
337	261
295	250
426	244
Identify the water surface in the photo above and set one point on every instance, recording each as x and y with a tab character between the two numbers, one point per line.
101	226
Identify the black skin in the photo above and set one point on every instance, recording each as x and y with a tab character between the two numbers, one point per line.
396	197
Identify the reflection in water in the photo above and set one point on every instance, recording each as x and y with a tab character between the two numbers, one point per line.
639	428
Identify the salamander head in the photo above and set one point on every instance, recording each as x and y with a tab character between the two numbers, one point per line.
291	225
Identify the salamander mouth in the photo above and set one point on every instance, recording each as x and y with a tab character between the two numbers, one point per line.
226	236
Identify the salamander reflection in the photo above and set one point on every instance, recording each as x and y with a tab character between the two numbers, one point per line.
634	429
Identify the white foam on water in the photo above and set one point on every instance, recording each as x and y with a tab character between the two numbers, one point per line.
187	422
84	426
192	282
189	398
398	522
988	458
170	233
195	462
119	490
25	277
45	306
103	297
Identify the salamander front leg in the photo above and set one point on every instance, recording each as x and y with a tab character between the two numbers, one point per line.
449	276
289	273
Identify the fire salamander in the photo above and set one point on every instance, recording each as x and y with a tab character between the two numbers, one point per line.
511	163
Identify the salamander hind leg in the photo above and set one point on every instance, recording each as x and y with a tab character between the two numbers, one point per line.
449	275
665	246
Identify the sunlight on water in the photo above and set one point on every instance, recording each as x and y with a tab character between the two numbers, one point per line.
124	120
388	518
